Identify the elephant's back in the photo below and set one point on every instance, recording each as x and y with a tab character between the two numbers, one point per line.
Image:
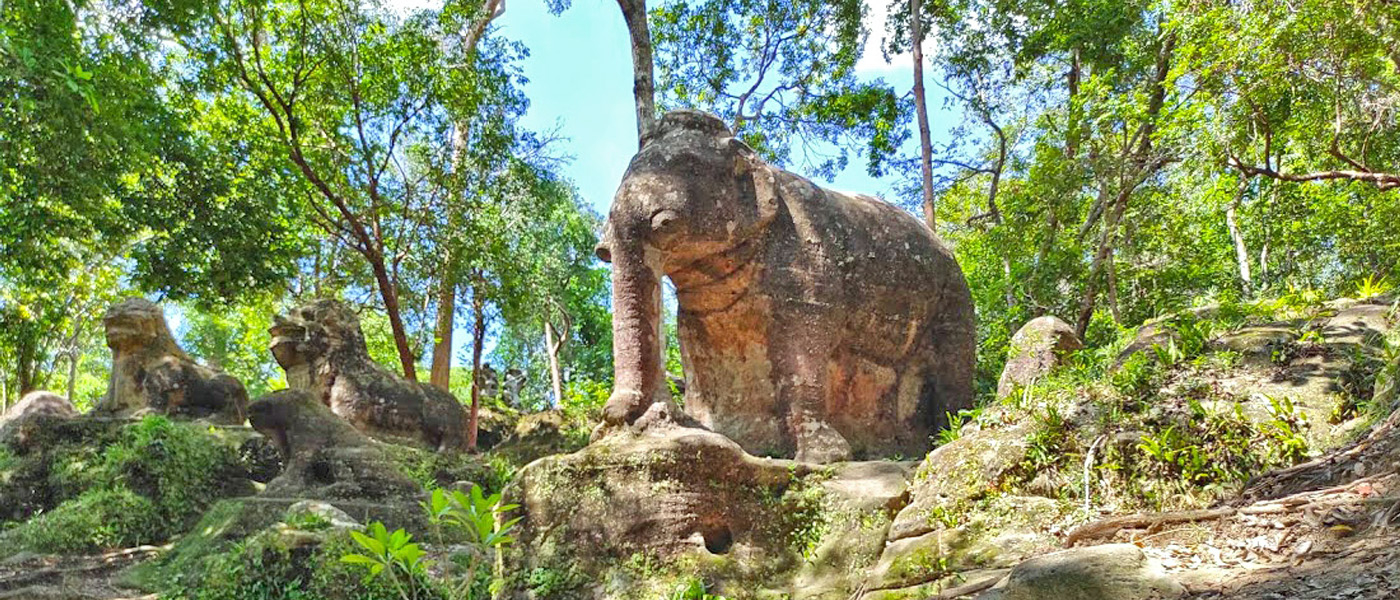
875	247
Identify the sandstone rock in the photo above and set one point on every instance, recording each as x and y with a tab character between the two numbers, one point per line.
322	349
956	472
324	457
334	517
151	373
667	492
1039	346
1114	571
813	323
18	421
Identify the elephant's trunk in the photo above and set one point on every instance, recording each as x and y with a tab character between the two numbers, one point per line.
637	341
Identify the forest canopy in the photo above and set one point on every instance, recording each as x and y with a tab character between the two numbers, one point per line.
1112	162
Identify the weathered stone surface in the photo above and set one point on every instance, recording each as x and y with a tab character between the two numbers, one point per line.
953	474
668	491
151	373
1113	571
1039	346
18	420
323	456
322	349
812	323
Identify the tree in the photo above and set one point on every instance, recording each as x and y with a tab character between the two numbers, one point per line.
104	164
346	88
921	108
782	73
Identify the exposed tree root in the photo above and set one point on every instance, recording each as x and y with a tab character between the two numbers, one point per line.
1319	499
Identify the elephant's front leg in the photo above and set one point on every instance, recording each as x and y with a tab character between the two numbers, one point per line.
800	352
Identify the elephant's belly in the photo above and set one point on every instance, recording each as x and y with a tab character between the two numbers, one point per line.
730	385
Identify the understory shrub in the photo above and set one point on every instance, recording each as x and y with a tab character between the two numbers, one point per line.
145	485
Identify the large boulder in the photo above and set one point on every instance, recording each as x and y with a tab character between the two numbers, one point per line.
1039	346
324	457
322	349
1109	572
17	423
150	373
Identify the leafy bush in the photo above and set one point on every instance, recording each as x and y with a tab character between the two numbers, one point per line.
393	556
264	567
99	518
146	484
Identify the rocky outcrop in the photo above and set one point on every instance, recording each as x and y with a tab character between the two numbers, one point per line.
324	457
150	373
322	349
813	323
17	424
1113	571
667	492
1039	346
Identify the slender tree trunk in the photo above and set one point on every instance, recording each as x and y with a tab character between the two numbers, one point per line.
1110	269
478	337
1072	134
552	347
72	372
1101	257
389	294
441	375
1241	250
1139	156
921	107
634	12
24	363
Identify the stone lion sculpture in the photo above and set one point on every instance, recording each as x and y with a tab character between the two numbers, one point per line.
811	322
150	373
322	349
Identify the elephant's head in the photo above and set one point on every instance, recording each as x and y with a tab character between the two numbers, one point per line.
692	191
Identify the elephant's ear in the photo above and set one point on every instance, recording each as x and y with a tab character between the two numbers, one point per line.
751	169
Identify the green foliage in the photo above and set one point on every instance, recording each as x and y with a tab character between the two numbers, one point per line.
144	486
482	520
1371	287
694	590
783	74
97	519
956	422
264	567
392	555
235	339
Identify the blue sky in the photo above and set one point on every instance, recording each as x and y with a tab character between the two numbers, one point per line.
580	81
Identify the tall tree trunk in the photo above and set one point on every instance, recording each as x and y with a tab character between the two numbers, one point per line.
478	336
24	363
1072	133
921	107
1241	250
389	294
634	12
1139	156
552	347
441	375
72	372
1101	258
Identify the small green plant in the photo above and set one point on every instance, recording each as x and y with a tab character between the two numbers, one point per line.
479	518
693	590
1371	287
956	422
392	555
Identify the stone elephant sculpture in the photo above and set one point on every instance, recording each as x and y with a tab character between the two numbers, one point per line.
812	323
